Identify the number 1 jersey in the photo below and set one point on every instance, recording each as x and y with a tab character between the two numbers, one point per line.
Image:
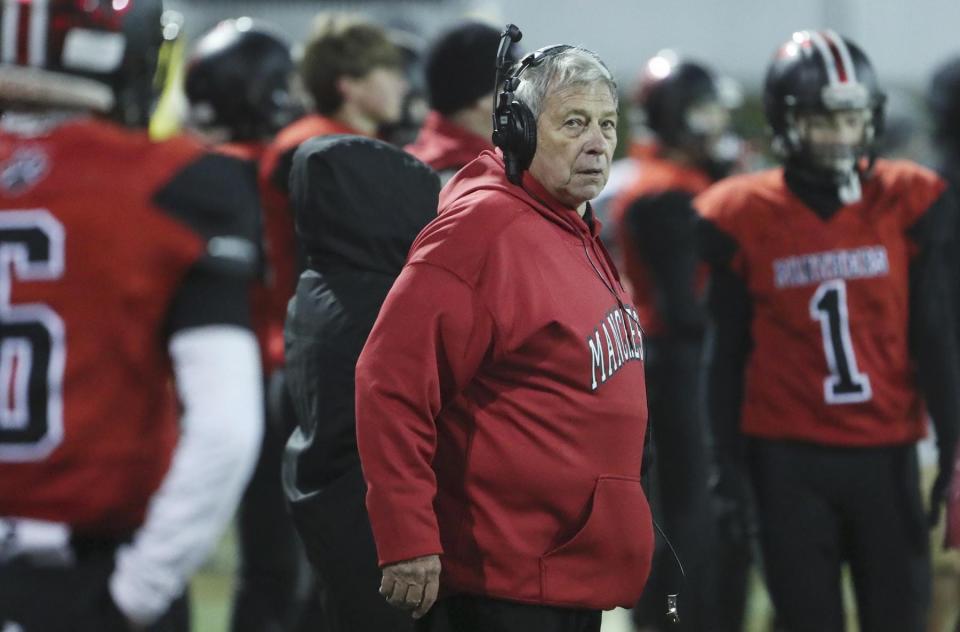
99	227
830	301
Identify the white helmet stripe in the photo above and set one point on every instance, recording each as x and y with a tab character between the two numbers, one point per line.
38	32
824	49
845	57
11	19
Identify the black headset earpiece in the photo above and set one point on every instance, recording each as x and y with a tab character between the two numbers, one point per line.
514	125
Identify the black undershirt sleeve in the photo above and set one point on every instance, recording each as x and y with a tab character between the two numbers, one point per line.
664	228
728	342
207	296
216	196
933	321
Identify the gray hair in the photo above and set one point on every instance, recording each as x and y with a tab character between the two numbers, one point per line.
574	67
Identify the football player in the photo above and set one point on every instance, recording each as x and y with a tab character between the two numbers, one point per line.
943	100
359	205
238	86
691	146
833	335
353	73
131	399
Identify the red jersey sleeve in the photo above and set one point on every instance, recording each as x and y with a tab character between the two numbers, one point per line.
720	207
916	190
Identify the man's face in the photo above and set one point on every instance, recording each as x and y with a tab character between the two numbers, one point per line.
834	138
379	94
576	136
708	119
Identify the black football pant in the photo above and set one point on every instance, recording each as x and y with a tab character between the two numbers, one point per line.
271	588
819	507
336	533
678	490
39	597
467	613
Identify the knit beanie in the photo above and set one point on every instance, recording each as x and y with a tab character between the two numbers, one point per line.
461	66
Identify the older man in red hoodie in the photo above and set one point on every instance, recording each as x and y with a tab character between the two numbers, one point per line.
501	407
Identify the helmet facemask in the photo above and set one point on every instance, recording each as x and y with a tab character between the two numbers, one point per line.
834	143
708	136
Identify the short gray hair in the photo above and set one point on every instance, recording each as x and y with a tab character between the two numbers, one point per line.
574	67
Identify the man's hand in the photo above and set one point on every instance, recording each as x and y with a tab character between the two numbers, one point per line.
412	584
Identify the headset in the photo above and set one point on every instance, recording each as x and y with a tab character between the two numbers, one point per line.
514	125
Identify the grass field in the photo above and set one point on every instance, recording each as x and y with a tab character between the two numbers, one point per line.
212	588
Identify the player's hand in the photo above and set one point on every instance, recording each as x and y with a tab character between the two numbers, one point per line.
937	495
412	584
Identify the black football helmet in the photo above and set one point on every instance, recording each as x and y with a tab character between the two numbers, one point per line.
821	73
91	54
238	80
680	102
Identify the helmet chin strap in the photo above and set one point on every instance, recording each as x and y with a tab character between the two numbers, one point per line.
850	190
844	173
845	183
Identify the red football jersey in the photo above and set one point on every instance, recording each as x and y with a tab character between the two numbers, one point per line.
655	175
830	361
89	264
270	310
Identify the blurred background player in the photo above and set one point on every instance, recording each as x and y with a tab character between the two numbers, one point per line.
831	300
689	147
238	86
943	100
359	205
460	70
125	269
353	74
414	108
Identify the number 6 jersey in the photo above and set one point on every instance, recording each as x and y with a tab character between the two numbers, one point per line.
108	244
830	302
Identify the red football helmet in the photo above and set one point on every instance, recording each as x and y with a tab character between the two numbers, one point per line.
93	54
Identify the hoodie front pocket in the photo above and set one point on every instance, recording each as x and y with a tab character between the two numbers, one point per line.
606	563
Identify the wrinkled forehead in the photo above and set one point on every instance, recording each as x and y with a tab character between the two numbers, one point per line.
596	98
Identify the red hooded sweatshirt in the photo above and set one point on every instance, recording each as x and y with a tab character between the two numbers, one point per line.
501	407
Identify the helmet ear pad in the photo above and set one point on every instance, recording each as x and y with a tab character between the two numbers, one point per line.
522	134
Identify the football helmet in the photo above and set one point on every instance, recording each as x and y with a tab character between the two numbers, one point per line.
825	109
238	80
683	104
92	54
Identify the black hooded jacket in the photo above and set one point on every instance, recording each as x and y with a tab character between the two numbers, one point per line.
359	204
